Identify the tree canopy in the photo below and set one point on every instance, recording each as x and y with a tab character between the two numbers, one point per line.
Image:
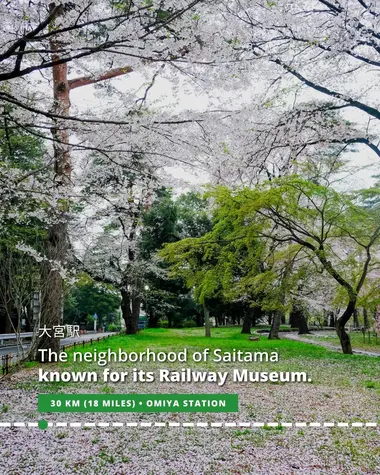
106	106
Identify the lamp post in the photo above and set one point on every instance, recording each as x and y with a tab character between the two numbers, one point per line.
146	287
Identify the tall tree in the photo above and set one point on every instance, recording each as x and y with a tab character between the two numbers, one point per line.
322	223
25	204
168	220
56	247
116	198
53	38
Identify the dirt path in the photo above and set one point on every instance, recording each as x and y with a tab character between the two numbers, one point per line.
326	344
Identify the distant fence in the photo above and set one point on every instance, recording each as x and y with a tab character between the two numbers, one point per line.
10	359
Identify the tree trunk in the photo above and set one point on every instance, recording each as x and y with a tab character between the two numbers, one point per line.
127	306
153	320
303	329
255	314
56	242
216	320
207	321
325	318
356	318
136	307
298	320
340	324
292	321
276	322
52	292
344	338
332	320
247	322
270	318
365	316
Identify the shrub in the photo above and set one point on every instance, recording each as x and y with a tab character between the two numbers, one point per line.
189	323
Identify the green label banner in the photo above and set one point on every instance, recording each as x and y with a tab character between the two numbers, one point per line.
138	403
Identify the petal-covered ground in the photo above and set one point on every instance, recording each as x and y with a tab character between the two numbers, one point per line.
343	389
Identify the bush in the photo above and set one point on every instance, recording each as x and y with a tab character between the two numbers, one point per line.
163	324
113	328
188	324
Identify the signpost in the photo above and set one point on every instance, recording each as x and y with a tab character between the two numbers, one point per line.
95	321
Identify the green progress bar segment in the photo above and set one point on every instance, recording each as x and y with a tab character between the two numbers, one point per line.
138	403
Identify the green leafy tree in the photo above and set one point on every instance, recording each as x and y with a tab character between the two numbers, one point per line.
321	225
166	221
86	298
219	266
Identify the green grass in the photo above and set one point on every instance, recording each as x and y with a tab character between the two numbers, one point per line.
323	365
193	338
357	341
226	339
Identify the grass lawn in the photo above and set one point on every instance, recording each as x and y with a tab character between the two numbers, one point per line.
370	343
343	389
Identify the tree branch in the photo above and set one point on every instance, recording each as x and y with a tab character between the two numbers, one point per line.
324	90
87	80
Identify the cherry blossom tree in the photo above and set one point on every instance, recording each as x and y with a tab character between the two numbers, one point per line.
303	76
105	162
377	321
92	38
114	197
328	47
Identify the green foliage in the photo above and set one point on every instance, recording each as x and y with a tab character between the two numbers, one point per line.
86	298
159	224
371	196
167	220
163	14
263	240
20	149
213	265
193	215
188	324
304	218
112	327
121	6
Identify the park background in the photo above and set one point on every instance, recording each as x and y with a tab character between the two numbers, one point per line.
192	174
